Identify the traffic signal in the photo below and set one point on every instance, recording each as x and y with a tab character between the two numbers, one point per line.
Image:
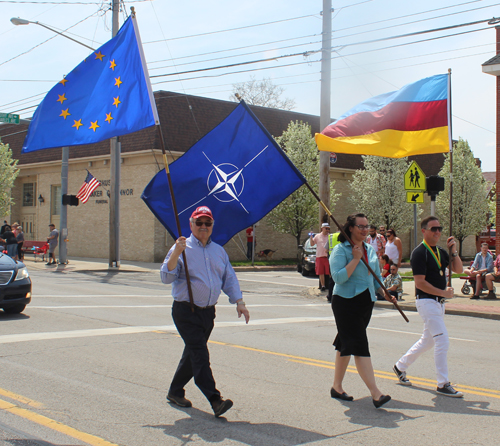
70	200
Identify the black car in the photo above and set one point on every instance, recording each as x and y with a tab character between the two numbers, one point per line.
306	258
15	285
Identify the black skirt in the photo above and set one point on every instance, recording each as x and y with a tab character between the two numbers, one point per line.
352	316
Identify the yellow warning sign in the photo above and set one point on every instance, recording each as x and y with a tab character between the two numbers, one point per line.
415	178
414	197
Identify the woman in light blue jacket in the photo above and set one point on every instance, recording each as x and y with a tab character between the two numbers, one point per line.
352	304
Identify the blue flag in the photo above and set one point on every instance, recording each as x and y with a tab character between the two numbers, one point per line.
237	170
107	95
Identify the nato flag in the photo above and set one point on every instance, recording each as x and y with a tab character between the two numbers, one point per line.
237	170
107	95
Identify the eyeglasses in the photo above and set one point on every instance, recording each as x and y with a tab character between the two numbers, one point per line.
435	229
206	223
362	227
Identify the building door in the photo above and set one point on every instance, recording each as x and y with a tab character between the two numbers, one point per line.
55	205
28	222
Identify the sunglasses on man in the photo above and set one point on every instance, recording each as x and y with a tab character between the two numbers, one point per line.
201	223
435	229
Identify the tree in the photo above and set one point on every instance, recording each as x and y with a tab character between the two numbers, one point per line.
378	191
263	93
470	202
299	212
8	174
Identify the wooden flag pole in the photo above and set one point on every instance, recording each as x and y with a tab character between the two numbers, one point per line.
450	139
177	221
341	229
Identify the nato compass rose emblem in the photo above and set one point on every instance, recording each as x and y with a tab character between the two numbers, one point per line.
225	182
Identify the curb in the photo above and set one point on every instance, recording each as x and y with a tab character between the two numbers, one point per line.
454	311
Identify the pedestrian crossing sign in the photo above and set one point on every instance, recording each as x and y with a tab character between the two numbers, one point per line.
414	197
415	178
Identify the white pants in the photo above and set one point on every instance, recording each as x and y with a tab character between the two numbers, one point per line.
434	335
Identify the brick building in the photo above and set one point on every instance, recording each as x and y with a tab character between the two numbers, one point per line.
184	120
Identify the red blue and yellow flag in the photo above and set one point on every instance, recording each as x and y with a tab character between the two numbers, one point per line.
407	122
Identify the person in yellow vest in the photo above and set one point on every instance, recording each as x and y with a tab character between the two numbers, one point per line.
333	240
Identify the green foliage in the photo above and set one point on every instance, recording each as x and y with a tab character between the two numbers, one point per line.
299	212
470	202
378	191
8	174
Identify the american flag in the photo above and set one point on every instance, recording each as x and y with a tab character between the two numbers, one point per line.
88	187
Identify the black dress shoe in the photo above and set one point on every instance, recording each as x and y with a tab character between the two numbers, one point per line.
179	400
341	396
474	297
381	401
221	406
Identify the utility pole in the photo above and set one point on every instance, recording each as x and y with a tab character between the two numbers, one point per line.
324	120
115	171
63	222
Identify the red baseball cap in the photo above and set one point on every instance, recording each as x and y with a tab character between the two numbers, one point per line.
202	211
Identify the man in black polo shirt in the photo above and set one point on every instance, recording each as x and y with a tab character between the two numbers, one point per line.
429	262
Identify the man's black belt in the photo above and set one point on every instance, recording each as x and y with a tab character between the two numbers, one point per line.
429	296
183	302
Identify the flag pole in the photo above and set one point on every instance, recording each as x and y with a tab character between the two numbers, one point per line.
163	151
341	229
450	142
174	205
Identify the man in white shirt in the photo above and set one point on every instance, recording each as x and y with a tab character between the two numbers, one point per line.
322	266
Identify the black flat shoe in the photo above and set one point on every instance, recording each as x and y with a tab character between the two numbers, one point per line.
381	401
341	396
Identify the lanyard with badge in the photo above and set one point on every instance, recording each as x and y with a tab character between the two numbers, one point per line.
436	258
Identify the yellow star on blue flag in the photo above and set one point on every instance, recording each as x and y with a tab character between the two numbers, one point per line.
107	95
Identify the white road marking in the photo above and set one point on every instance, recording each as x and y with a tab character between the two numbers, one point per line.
274	283
96	295
24	337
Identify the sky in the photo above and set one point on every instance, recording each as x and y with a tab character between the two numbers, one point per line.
370	57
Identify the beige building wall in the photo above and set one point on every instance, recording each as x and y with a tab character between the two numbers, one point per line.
142	237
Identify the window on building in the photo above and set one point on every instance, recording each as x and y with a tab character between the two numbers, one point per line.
55	202
29	194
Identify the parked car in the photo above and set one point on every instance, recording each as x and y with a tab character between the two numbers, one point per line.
15	285
306	258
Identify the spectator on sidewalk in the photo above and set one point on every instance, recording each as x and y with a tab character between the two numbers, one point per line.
333	240
385	265
483	264
376	241
322	267
394	247
20	241
9	238
394	283
52	240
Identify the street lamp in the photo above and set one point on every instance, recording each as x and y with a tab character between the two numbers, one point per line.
63	251
18	21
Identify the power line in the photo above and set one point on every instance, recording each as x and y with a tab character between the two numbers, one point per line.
229	66
45	41
308	36
233	29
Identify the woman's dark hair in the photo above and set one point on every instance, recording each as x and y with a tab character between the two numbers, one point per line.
387	259
393	231
350	222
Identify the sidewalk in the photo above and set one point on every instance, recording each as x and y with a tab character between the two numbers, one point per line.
460	304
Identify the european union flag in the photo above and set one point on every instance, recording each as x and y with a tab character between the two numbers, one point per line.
107	95
237	170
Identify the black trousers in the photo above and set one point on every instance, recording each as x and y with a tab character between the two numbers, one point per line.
194	328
